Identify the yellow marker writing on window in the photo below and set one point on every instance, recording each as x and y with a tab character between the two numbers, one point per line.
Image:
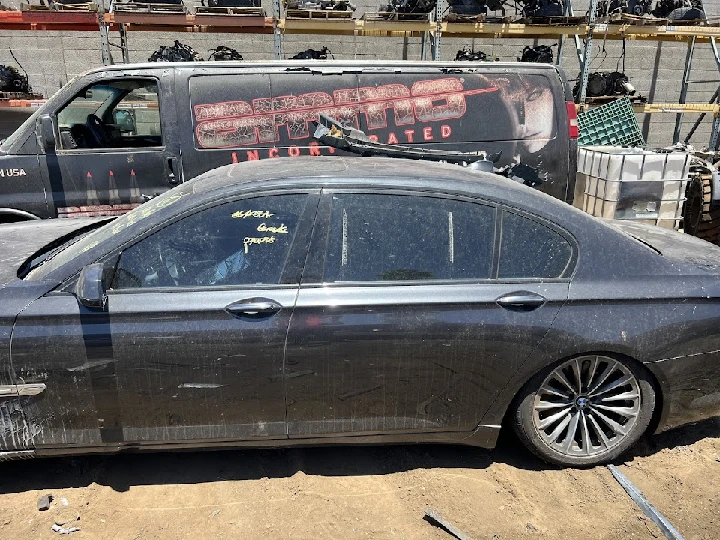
242	214
280	229
261	240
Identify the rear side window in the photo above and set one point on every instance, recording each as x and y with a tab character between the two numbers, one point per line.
408	238
529	249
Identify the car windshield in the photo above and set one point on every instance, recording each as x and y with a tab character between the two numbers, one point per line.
89	241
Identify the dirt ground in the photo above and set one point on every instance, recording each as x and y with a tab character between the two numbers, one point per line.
366	492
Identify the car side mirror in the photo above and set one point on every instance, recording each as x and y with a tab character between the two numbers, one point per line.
124	121
45	130
90	287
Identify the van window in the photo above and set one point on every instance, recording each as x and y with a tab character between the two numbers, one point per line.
114	114
408	238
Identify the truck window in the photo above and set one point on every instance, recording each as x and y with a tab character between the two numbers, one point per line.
114	114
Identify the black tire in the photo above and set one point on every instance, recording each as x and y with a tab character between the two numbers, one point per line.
533	406
699	217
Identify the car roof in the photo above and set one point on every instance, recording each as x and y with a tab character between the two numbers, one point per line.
369	171
318	64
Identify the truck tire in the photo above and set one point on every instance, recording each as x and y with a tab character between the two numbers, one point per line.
699	218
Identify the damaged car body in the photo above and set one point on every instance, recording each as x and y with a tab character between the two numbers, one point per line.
355	300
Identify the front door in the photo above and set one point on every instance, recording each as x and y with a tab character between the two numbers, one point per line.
191	344
421	312
116	147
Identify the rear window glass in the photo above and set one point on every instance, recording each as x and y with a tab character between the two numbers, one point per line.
407	238
529	249
271	115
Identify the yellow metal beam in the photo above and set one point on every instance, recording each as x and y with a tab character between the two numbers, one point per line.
652	108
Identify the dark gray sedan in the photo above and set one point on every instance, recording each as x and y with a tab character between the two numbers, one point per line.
336	300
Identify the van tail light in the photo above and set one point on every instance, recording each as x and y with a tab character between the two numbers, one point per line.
572	120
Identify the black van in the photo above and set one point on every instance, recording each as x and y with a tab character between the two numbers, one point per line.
117	135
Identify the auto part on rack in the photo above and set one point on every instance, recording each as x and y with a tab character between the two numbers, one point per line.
328	5
606	84
541	54
680	10
175	53
312	54
222	53
468	55
540	8
631	7
476	7
233	3
410	6
11	80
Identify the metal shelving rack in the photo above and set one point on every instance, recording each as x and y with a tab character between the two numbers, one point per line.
433	29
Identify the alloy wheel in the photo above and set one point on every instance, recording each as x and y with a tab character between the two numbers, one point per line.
587	406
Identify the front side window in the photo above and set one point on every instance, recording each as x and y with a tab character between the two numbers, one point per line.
243	242
114	114
529	249
407	238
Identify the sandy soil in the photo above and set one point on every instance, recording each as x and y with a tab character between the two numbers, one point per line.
366	492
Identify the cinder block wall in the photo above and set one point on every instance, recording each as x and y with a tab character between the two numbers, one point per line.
655	68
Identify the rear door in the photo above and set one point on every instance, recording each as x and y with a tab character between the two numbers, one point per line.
415	310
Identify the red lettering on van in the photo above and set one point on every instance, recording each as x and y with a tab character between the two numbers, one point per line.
236	123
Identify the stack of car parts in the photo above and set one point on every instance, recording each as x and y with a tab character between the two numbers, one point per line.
631	7
680	10
406	7
476	7
223	53
469	55
323	5
540	8
175	53
12	81
541	54
606	84
233	3
312	54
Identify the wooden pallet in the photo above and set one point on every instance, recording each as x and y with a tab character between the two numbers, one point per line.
460	18
230	11
56	6
137	7
553	21
394	16
20	95
318	14
601	100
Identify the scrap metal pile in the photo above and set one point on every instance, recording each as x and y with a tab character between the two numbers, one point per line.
540	54
175	53
11	80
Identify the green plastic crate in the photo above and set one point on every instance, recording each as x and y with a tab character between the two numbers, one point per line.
612	124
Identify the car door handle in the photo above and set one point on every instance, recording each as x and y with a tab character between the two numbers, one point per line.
523	300
14	390
254	306
173	172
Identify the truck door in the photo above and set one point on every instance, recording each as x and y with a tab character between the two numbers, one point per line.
115	147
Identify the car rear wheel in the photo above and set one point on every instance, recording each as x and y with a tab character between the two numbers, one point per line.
584	411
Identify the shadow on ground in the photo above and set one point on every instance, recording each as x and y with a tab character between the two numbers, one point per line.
130	469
